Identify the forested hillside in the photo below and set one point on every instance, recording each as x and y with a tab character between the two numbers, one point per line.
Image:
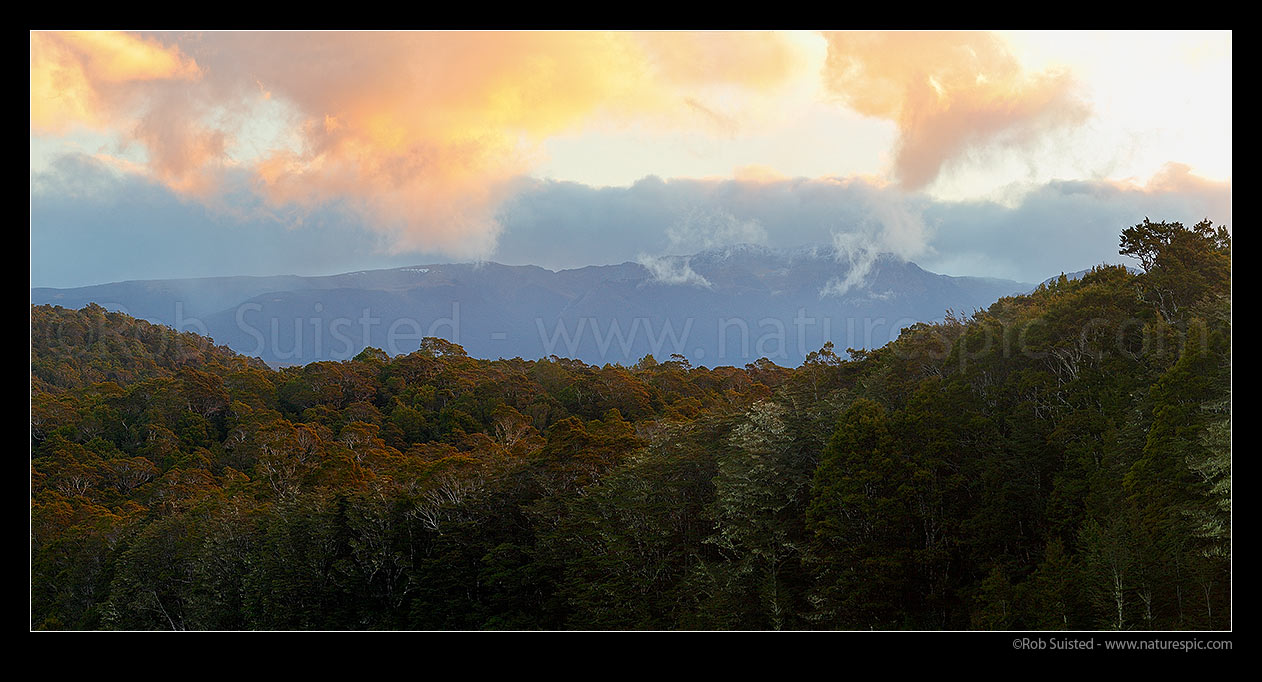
719	307
1061	460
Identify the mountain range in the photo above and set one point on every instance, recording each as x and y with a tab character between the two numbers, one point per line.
725	306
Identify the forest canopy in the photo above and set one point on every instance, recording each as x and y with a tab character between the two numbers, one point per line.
1061	460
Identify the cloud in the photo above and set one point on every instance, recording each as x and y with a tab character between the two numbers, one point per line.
93	78
950	94
686	216
1061	225
424	134
673	270
421	143
1178	179
138	87
892	226
702	228
858	258
93	222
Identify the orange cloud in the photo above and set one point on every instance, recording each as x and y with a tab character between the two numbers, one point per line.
117	82
758	173
949	93
87	77
1178	179
424	132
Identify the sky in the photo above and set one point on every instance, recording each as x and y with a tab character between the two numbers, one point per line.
1012	154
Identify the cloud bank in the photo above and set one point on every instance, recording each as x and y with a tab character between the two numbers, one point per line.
1061	225
97	224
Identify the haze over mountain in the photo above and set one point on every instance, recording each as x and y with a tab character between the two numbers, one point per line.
718	307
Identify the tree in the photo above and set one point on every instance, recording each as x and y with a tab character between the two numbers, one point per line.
1049	599
858	525
1182	265
761	486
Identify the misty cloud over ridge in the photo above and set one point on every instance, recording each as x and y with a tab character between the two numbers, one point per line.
92	223
1059	225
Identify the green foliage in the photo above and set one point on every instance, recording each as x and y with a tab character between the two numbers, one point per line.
1061	460
1182	264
